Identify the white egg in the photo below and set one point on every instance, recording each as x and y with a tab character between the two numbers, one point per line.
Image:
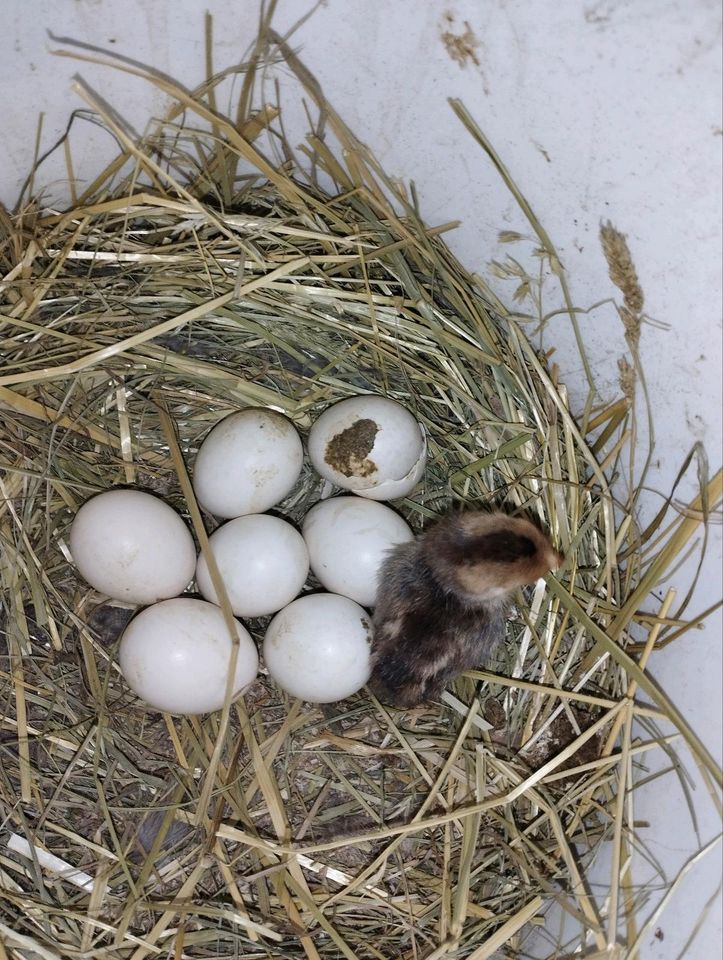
249	462
132	546
370	445
317	648
176	655
263	562
348	539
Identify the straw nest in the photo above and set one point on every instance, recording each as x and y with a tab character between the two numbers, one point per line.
207	269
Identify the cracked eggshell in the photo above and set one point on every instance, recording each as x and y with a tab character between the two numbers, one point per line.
394	489
132	546
248	463
370	445
176	654
263	562
348	540
318	648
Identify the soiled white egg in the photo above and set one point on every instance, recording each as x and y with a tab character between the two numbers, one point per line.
318	647
132	546
263	562
370	445
348	539
176	655
249	462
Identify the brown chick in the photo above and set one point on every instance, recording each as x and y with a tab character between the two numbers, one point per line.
444	598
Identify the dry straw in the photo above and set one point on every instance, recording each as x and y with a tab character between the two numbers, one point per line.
207	268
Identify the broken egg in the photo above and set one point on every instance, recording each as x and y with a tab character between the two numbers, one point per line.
176	655
370	445
249	462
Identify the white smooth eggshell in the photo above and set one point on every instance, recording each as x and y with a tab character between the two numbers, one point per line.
132	546
176	654
318	648
248	463
364	442
348	539
263	562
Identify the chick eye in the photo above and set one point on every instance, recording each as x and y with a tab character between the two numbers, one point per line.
498	547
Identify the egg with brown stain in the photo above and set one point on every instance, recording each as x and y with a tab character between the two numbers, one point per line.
248	463
370	445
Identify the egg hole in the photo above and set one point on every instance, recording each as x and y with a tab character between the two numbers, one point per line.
348	451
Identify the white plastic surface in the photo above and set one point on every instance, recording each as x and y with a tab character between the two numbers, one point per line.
601	109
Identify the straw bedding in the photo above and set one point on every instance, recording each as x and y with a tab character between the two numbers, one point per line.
207	269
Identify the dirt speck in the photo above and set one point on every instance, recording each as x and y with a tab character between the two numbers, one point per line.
264	475
558	736
542	150
348	451
274	423
599	14
494	713
461	47
108	622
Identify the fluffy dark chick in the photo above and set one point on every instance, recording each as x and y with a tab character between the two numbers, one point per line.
444	598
